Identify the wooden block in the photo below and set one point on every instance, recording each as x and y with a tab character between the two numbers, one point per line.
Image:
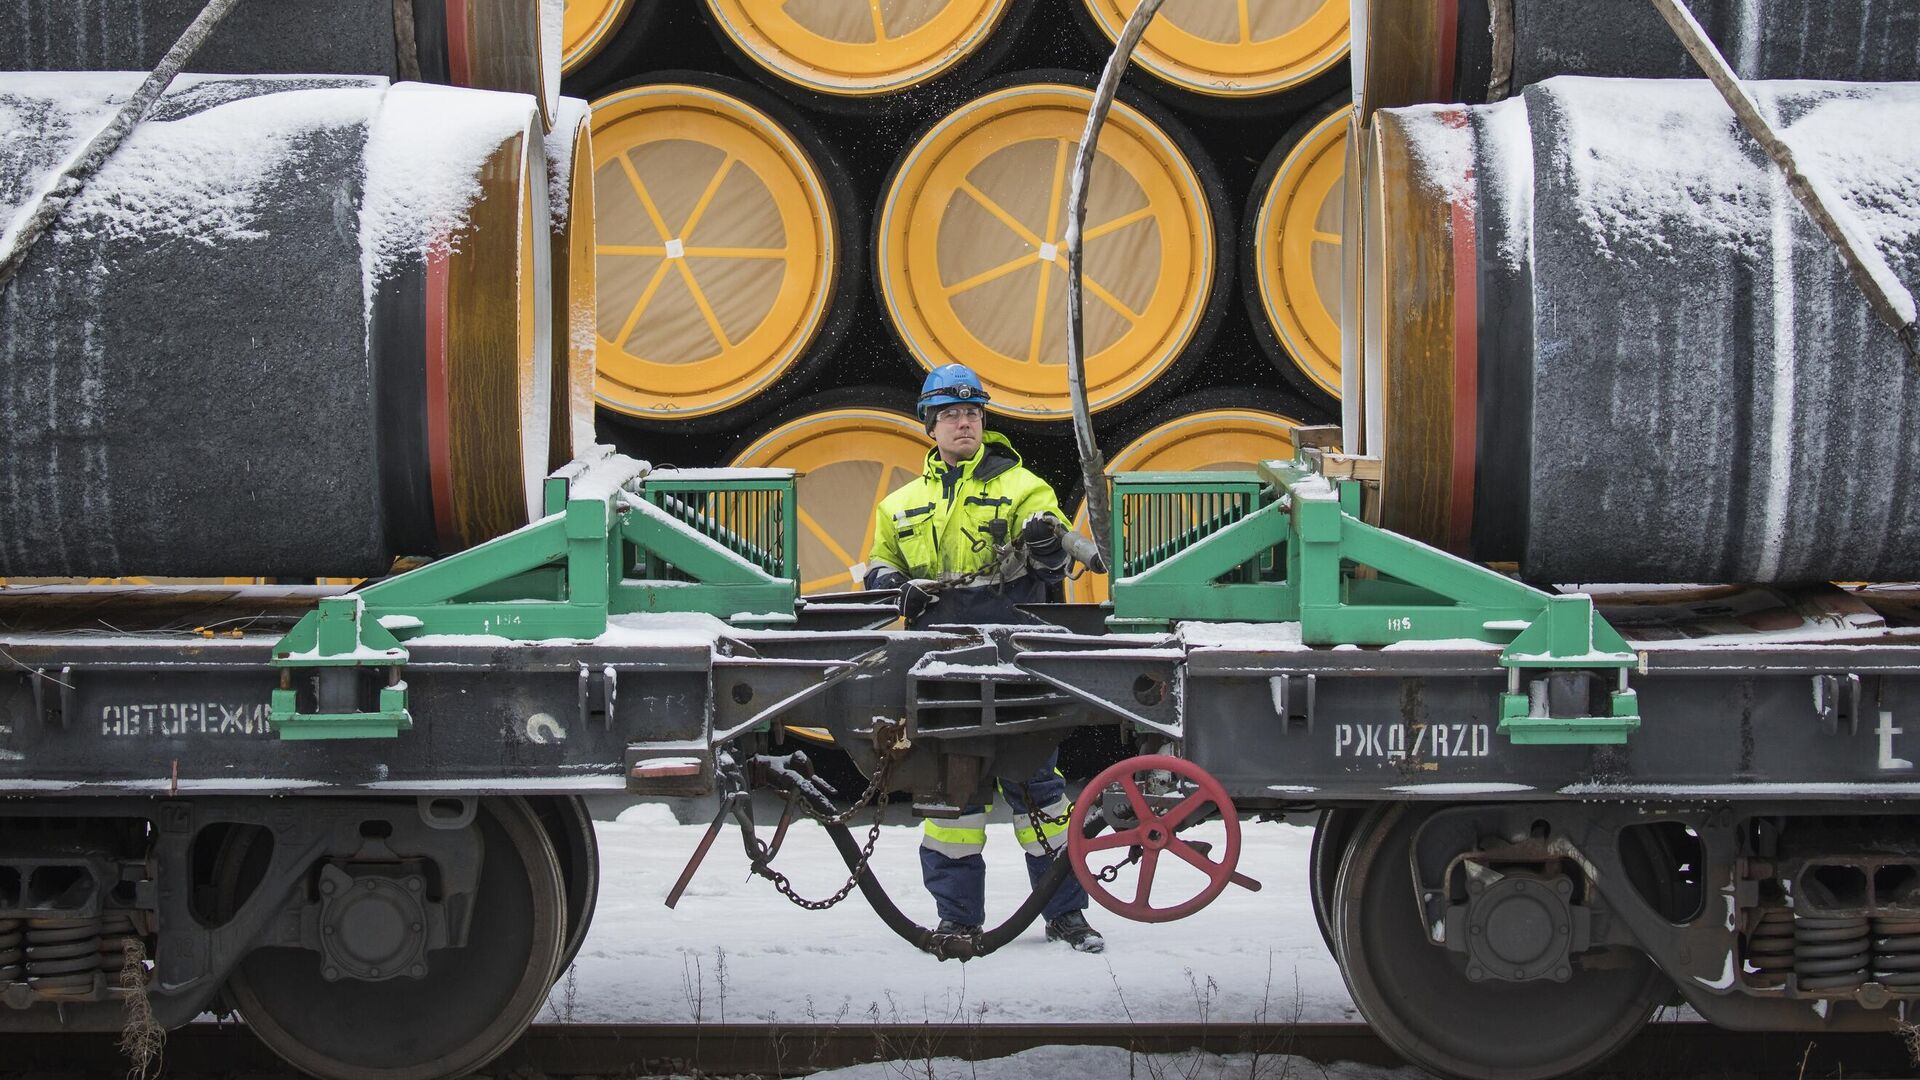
1351	467
1316	436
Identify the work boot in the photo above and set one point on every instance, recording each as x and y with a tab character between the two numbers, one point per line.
1072	928
959	929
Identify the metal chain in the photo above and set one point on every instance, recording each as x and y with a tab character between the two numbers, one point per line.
1111	874
785	887
876	792
1034	819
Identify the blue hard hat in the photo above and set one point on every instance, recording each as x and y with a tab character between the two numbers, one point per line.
951	384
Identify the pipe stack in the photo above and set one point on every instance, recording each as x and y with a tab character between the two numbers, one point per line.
298	325
743	149
1604	340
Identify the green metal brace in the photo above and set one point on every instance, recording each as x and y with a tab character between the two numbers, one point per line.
688	540
1288	545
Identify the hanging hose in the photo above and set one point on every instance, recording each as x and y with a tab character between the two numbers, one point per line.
1093	466
943	946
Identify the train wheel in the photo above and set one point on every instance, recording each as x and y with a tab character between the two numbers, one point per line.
1418	998
569	828
1336	830
473	1001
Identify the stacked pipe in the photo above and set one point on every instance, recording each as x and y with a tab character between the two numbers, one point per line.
298	324
805	207
1602	337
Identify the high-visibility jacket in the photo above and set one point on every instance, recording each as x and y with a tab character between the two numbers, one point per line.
947	525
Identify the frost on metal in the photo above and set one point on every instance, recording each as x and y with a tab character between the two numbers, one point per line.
196	171
426	151
570	122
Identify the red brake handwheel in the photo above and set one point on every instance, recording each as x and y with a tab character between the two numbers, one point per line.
1156	835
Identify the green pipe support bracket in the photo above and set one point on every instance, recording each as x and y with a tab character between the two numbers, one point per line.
617	538
1286	545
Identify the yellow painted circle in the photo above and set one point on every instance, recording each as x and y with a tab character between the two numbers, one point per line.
856	48
1297	253
847	460
1234	48
1213	440
586	27
971	267
715	251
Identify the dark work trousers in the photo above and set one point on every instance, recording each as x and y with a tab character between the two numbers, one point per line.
955	871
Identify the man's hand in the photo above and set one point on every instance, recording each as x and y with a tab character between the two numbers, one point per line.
916	597
1041	535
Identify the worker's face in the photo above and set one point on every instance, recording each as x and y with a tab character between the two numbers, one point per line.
957	430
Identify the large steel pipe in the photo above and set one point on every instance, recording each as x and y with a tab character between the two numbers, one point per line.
968	258
509	45
574	293
293	328
1615	348
852	54
1476	51
1231	52
729	252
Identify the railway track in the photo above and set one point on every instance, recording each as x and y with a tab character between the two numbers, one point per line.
629	1050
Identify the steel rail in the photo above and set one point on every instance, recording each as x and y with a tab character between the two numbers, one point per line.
1671	1049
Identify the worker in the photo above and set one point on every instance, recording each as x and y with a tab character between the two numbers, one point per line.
944	540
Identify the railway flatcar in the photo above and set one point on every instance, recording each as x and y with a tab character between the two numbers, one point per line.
1579	330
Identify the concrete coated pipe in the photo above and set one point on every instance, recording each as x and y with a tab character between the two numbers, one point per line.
1246	53
294	327
509	45
570	204
1291	250
854	55
729	247
1477	51
1615	348
968	262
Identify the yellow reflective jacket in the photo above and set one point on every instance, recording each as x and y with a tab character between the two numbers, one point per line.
947	523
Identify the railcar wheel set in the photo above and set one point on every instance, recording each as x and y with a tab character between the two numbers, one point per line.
352	814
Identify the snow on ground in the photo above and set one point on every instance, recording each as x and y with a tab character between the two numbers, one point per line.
1112	1061
735	950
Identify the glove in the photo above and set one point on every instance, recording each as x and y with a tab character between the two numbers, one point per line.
916	597
1041	535
883	577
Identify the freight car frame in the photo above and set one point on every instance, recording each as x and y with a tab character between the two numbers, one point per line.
1592	828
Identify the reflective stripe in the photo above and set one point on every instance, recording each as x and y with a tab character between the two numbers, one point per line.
1053	822
955	838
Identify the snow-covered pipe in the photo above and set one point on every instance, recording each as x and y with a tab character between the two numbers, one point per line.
1615	347
294	327
507	45
1477	51
569	156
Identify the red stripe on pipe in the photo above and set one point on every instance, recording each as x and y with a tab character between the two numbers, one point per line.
1466	357
439	447
459	63
1447	14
